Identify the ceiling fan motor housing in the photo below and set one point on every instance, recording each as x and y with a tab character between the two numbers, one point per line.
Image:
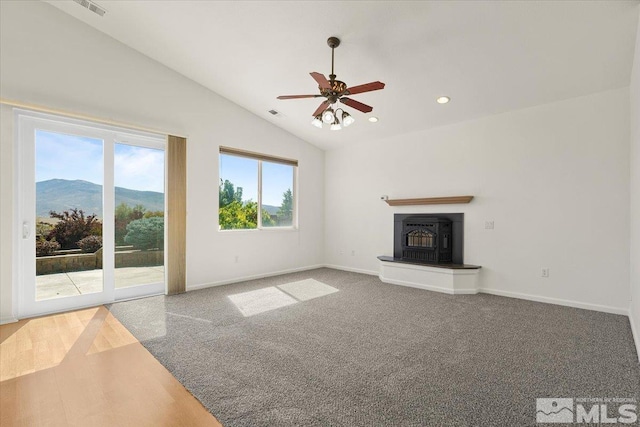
336	90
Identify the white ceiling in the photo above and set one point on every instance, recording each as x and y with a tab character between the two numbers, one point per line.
488	56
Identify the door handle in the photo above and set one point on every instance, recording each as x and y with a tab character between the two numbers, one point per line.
25	230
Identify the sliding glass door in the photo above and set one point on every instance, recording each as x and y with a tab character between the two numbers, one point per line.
139	170
91	214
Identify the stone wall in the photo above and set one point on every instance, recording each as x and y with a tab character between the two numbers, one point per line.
82	262
139	258
65	263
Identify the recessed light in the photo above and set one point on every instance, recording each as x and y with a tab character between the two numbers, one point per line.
373	119
443	99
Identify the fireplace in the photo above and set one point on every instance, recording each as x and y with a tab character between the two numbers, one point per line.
429	238
426	239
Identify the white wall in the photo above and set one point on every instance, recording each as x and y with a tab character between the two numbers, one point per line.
554	178
51	59
635	193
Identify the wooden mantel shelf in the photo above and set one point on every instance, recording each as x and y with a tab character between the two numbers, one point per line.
430	201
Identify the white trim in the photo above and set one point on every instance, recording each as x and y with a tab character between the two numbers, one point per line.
16	265
430	287
448	280
635	333
116	131
139	291
5	320
259	207
350	269
131	298
557	301
83	117
253	277
498	292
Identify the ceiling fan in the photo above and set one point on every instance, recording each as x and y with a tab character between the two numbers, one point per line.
335	90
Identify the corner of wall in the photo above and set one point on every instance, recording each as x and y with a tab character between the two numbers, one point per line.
634	253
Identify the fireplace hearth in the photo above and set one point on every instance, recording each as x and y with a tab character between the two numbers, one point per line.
429	238
427	254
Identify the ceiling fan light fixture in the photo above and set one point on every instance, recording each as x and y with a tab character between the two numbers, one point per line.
347	119
334	91
328	116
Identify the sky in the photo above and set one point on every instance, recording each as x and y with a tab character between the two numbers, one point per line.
140	168
243	172
136	168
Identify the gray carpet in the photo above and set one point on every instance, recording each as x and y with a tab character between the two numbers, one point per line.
373	354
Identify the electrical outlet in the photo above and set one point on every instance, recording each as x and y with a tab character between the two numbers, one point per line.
545	272
488	225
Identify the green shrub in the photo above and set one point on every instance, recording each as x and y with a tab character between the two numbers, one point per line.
146	233
124	215
46	247
90	244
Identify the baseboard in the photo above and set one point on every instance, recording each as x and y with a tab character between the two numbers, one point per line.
635	332
529	297
430	287
253	277
352	270
5	320
557	301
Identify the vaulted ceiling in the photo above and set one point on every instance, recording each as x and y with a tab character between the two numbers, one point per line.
488	56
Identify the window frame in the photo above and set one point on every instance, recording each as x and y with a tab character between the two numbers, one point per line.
260	158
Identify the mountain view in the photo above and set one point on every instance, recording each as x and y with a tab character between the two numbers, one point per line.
272	210
61	194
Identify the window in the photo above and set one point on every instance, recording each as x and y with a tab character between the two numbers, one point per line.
256	191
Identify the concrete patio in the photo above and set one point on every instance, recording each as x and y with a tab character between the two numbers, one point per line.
90	281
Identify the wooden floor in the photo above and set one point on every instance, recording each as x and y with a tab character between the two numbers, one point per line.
83	368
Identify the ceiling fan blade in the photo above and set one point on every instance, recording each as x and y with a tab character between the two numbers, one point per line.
321	108
298	96
357	105
321	79
368	87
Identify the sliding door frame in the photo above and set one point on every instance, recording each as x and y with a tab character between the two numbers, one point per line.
25	124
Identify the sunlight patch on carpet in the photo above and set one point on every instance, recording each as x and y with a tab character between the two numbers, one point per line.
271	298
261	300
307	289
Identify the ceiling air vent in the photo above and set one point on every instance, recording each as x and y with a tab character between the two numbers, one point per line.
91	6
276	113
